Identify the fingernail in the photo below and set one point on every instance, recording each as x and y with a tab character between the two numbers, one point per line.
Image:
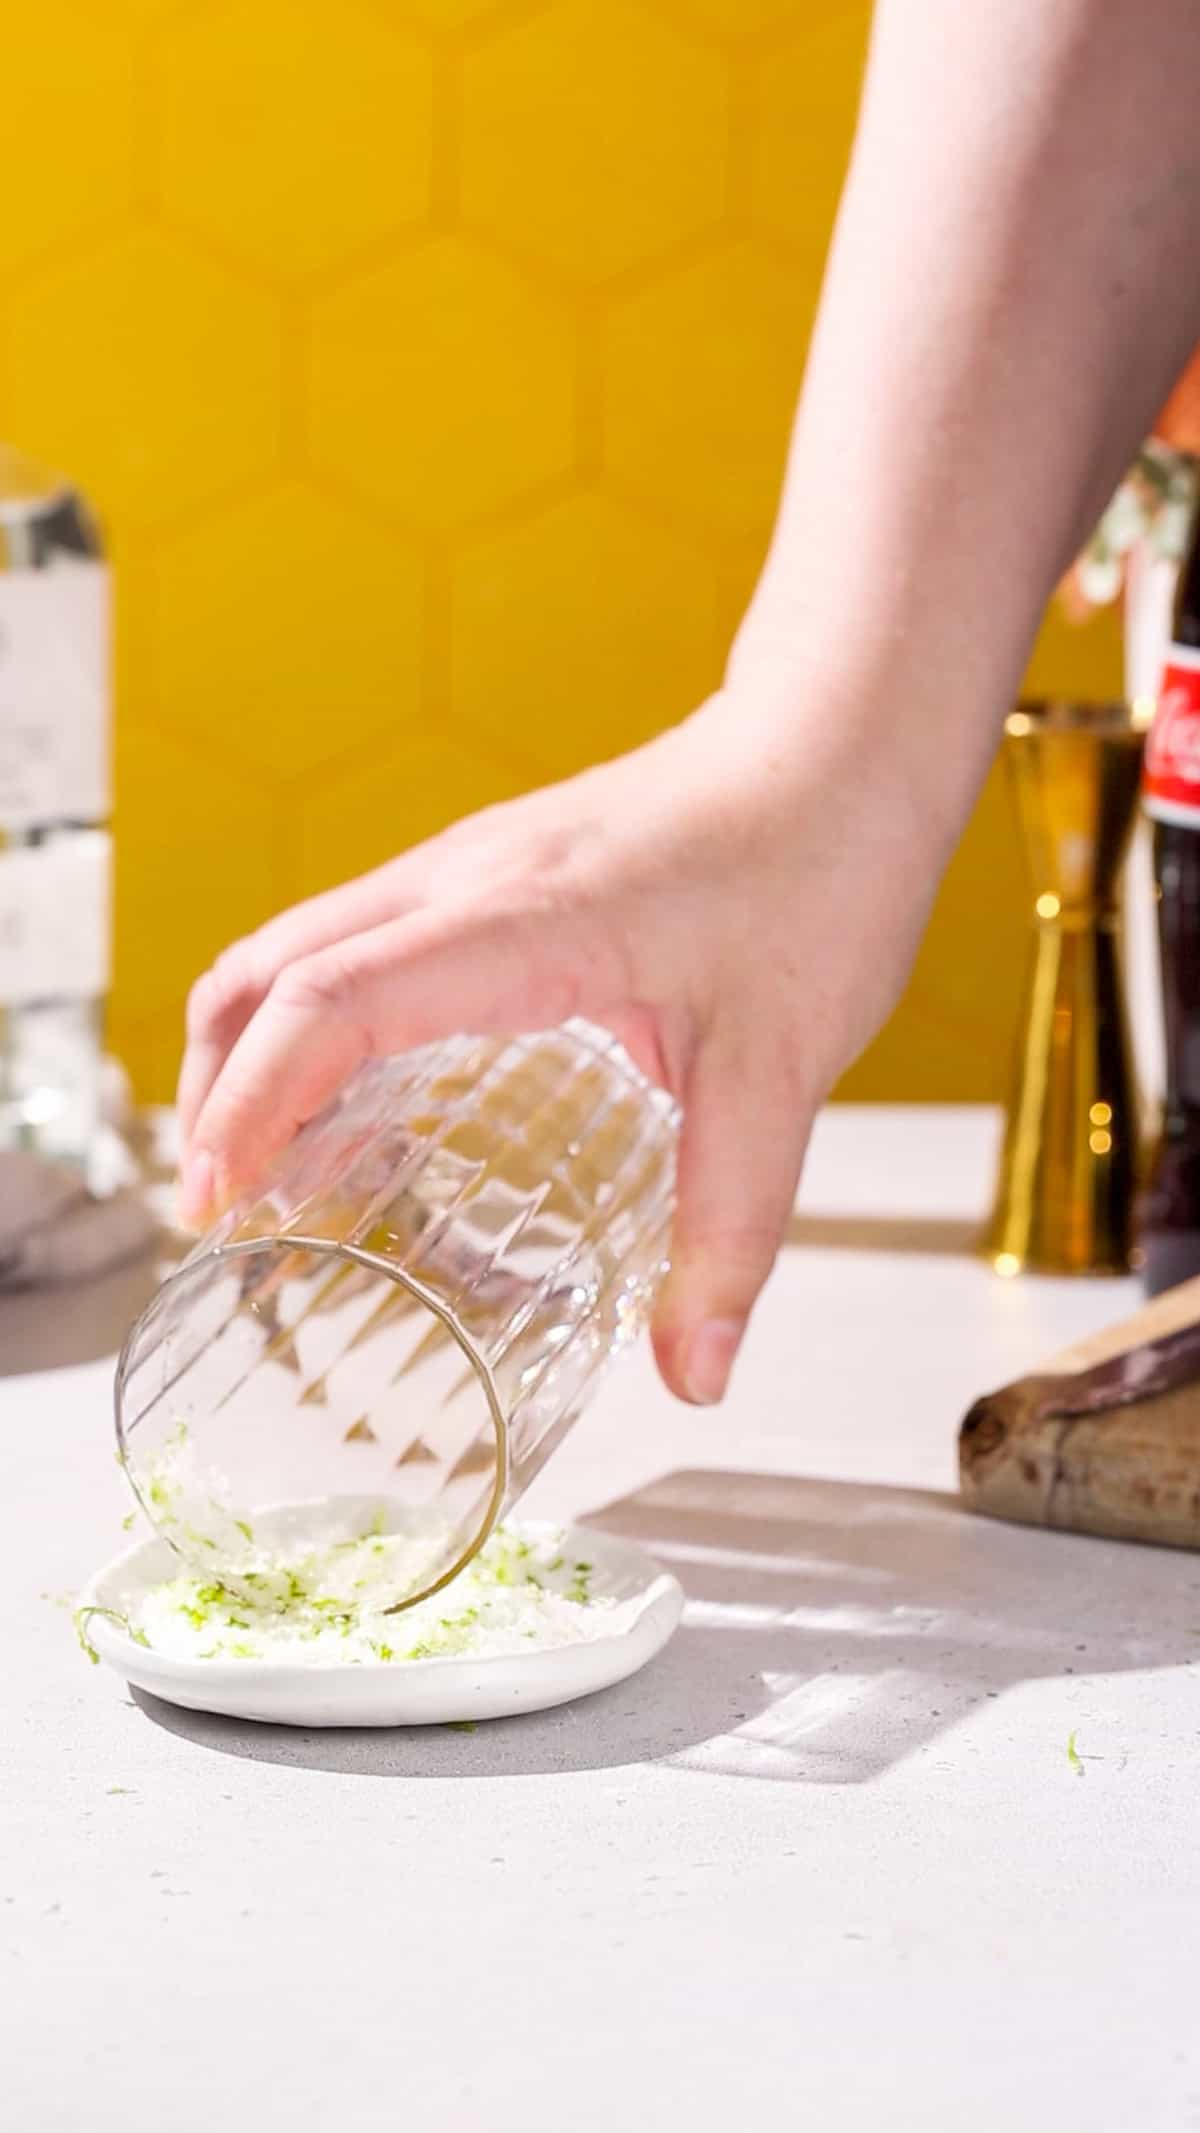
709	1359
196	1190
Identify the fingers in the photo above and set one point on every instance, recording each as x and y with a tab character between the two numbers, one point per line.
386	990
745	1129
222	1001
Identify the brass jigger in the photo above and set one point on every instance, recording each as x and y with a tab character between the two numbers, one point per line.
1068	1169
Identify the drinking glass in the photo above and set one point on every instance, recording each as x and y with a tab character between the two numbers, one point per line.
410	1316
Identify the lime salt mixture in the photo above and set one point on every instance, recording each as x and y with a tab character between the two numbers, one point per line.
312	1584
328	1606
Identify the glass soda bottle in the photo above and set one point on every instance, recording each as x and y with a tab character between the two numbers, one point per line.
1170	1215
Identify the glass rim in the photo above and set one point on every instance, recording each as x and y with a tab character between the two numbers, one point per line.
357	1255
1120	716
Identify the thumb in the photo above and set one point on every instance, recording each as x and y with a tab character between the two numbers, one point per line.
745	1130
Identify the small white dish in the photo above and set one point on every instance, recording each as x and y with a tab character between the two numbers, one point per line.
417	1692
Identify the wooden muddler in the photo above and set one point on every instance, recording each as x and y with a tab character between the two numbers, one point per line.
1105	1438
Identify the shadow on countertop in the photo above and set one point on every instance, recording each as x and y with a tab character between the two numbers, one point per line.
80	1322
832	1629
84	1321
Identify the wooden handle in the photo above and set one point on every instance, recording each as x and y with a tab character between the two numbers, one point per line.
1110	1458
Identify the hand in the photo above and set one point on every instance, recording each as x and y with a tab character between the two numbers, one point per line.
739	909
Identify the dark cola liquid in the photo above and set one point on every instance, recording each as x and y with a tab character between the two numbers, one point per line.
1170	1214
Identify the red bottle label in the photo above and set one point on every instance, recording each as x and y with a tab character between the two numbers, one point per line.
1171	772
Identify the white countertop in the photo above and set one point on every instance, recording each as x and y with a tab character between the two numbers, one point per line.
825	1864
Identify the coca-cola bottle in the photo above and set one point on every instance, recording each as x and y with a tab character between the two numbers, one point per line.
1170	1217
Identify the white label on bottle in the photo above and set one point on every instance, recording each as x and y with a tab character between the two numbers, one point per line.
54	918
54	693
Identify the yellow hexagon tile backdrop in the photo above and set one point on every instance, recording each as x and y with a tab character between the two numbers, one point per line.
430	363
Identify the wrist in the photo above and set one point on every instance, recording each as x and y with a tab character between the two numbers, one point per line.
865	727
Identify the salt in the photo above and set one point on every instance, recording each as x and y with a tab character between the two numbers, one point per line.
327	1604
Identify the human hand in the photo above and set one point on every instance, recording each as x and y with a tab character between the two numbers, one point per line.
738	911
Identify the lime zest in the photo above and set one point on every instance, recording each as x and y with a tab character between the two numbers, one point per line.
327	1602
83	1615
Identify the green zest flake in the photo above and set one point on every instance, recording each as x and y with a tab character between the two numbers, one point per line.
129	1521
199	1540
245	1529
557	1564
242	1651
1073	1757
460	1725
383	1651
83	1616
578	1588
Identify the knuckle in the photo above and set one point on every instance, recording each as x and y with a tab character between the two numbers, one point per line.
316	984
223	991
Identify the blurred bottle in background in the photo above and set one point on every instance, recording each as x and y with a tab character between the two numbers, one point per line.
1170	1217
55	846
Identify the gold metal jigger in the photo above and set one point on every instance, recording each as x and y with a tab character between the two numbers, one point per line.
1068	1169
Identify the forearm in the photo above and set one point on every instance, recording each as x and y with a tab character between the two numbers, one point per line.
1013	286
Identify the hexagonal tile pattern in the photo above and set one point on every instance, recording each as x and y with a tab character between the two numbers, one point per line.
321	613
295	134
346	823
579	634
301	295
67	173
148	372
805	99
594	135
743	18
703	374
479	360
199	871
